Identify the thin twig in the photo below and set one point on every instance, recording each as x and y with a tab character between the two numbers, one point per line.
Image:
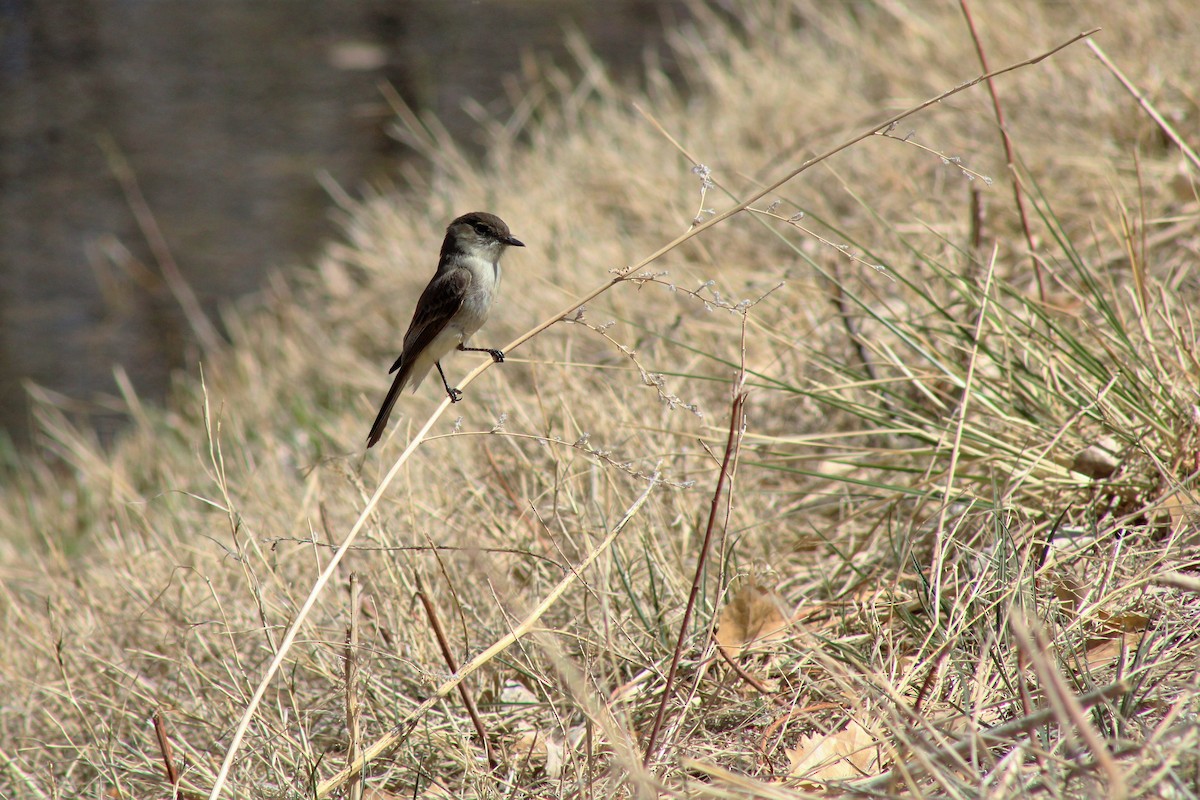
754	682
692	232
164	747
975	220
203	329
731	447
842	303
1009	156
452	664
353	718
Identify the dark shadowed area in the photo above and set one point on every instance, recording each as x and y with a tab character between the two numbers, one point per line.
222	116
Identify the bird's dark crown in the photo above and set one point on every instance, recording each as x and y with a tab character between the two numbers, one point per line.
484	227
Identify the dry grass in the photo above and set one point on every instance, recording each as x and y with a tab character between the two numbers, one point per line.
940	581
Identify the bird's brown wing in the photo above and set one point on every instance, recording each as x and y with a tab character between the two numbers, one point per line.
440	301
438	304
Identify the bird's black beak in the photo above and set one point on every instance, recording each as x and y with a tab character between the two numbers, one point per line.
512	241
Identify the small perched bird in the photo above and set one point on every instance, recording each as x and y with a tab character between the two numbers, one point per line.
453	306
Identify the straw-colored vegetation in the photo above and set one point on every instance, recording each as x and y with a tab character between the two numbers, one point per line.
954	541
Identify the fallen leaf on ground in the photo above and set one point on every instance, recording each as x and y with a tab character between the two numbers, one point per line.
753	617
849	753
1119	633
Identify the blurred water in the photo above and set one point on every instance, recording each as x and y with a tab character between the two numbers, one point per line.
224	111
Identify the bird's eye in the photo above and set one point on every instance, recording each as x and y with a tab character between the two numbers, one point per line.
481	229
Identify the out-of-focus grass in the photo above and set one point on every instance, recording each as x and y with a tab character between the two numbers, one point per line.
976	503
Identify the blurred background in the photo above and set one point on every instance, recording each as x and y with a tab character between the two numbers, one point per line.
138	134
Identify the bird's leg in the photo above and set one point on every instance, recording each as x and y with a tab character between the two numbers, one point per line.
455	394
497	355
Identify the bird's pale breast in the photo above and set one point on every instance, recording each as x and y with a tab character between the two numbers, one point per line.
485	280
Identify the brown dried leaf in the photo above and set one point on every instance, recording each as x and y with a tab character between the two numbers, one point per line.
1125	622
1118	633
1102	652
849	753
753	617
1069	593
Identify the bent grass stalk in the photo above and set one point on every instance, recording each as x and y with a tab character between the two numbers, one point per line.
398	733
620	276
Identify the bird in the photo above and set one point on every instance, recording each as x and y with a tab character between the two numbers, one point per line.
452	307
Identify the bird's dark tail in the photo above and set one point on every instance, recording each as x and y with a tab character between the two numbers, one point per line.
381	420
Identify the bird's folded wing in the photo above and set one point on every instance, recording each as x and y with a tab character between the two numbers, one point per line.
440	301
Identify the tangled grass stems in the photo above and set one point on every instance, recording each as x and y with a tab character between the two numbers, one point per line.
400	732
621	276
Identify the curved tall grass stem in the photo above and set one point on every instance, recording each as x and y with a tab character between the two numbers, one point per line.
621	275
